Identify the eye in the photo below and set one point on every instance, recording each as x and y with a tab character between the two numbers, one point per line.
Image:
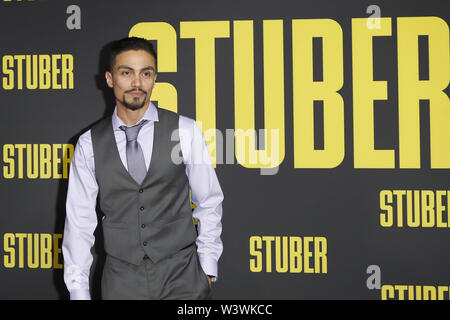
125	73
147	74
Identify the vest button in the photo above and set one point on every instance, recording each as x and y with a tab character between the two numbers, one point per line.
142	208
144	243
142	226
141	190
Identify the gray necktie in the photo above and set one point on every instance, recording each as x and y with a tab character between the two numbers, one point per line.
135	156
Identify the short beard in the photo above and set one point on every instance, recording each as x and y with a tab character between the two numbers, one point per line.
134	105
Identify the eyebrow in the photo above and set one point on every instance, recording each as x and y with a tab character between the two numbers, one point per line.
143	69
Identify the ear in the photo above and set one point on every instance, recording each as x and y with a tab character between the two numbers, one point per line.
109	80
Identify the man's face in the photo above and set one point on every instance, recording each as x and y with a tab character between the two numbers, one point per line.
132	78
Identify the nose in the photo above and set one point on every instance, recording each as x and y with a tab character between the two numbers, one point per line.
136	81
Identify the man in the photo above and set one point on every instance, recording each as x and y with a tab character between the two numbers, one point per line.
153	249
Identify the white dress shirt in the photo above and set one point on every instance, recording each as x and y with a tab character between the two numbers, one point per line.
81	217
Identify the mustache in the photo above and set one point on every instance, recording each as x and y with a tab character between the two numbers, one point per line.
136	90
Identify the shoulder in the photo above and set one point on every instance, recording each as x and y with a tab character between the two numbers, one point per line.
85	137
101	124
186	123
190	128
95	132
84	143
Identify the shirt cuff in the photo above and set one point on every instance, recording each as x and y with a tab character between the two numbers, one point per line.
80	294
209	267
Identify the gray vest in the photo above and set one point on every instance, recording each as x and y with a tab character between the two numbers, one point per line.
154	218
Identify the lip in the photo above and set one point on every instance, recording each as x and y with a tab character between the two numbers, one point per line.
136	93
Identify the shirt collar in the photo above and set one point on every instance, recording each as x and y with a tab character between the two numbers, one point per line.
150	114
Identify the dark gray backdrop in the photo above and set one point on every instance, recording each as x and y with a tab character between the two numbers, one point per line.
341	204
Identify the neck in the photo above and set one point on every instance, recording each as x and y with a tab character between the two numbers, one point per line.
130	117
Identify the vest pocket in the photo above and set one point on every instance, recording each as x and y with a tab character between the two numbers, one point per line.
163	222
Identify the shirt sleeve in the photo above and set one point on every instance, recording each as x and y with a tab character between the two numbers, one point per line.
206	195
81	219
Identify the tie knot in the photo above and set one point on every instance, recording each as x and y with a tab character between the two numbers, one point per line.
132	132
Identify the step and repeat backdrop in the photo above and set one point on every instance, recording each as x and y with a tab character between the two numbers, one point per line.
328	123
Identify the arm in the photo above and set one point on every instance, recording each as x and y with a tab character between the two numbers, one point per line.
81	220
207	196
